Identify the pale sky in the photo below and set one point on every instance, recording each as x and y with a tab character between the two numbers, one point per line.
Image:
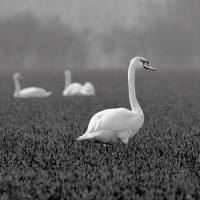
96	14
167	30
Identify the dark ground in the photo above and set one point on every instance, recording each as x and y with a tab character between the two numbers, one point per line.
41	159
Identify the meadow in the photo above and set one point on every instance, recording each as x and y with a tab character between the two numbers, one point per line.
41	159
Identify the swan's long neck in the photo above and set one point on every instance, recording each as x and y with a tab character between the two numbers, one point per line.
17	86
132	94
67	79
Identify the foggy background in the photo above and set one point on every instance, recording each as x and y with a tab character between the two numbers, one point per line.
49	34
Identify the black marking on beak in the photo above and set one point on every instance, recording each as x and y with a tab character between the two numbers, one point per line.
145	62
146	65
149	68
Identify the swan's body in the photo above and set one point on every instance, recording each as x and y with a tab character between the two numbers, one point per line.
72	89
28	92
88	89
112	125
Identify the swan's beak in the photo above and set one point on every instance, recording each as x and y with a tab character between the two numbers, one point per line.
149	67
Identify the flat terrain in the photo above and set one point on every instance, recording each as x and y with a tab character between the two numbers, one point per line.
41	159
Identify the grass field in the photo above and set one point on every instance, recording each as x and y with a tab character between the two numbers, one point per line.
41	159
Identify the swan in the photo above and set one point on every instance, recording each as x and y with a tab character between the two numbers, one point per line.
28	92
72	89
119	124
88	89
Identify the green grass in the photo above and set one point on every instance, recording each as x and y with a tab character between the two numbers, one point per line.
41	159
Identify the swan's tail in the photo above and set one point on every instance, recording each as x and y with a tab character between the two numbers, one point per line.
49	93
103	136
88	135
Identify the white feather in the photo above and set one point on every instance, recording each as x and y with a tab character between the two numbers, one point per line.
72	89
28	92
112	125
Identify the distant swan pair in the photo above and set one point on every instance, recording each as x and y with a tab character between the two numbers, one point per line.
71	89
119	124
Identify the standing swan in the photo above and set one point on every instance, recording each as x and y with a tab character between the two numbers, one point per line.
28	92
112	125
72	89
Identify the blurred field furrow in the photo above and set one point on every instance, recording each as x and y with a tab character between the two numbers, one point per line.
41	159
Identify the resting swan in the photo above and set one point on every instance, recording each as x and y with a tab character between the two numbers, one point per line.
88	89
28	92
72	89
112	125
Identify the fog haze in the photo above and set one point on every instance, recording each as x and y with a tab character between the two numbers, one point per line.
99	34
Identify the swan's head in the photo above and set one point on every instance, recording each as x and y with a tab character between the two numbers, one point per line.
140	62
17	75
67	73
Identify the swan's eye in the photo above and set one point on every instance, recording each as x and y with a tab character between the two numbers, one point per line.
145	62
142	61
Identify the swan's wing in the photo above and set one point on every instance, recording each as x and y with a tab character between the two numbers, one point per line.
94	122
73	89
88	89
75	85
118	119
89	85
32	90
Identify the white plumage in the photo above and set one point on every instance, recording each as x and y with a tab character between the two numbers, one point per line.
72	89
28	92
88	89
119	124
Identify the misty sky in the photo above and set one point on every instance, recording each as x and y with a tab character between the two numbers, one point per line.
94	14
99	33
